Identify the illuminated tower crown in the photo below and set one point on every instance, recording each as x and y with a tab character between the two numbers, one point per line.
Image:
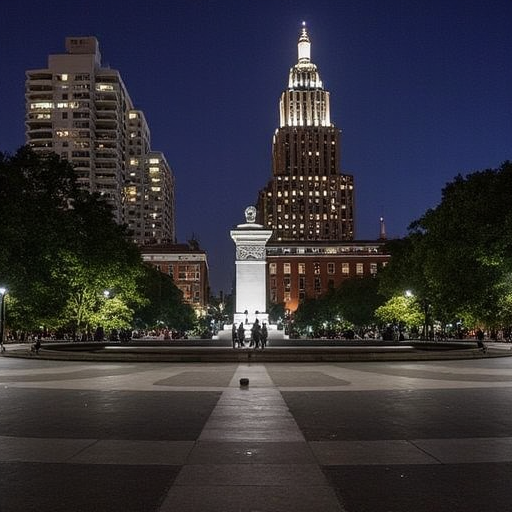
304	103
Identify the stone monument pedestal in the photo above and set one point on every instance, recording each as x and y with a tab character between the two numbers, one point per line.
251	279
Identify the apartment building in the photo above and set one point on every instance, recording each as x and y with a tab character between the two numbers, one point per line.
81	110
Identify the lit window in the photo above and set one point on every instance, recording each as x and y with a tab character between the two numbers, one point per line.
359	268
287	268
132	115
41	105
273	268
154	161
345	268
373	268
302	268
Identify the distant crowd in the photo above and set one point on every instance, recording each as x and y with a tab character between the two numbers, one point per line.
120	335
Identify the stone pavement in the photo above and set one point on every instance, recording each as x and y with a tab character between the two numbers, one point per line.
346	437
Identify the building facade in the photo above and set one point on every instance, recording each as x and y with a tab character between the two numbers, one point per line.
305	270
187	264
82	111
307	197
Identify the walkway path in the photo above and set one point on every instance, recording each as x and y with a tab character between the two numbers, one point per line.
351	437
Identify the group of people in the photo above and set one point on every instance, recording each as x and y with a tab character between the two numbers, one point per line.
259	335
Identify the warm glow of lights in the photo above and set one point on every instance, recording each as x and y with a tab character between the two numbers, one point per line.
41	105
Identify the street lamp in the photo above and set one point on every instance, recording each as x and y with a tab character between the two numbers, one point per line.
3	293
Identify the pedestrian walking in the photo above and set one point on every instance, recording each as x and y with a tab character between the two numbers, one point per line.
480	340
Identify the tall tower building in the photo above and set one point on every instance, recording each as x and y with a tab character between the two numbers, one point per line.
82	111
307	197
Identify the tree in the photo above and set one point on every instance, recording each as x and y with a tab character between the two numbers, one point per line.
276	312
99	257
400	311
358	299
406	271
35	194
457	257
321	316
61	249
164	305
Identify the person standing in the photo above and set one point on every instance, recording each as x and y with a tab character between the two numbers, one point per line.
241	335
234	335
256	333
264	335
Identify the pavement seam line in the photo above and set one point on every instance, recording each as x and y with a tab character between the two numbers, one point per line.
71	457
425	451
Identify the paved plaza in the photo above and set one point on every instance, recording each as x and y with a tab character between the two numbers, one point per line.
348	437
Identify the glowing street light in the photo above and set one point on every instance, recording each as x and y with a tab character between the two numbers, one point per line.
409	294
3	293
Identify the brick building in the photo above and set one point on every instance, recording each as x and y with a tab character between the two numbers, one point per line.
304	270
187	264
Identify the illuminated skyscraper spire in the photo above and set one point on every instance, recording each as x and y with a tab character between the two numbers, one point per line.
304	46
304	103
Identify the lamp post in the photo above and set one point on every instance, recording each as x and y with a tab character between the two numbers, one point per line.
3	292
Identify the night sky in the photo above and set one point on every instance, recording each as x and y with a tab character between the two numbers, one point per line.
422	91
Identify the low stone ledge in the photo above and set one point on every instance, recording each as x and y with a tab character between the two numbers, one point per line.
157	353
